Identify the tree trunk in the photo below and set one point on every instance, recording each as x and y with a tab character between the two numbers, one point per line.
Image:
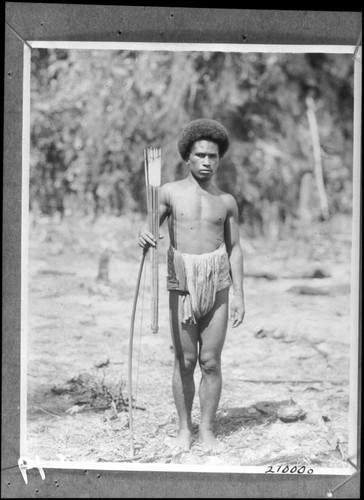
305	201
103	275
311	115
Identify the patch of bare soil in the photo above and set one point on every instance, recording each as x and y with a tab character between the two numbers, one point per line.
285	396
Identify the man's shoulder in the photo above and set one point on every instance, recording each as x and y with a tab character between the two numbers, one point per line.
173	185
225	196
171	190
228	199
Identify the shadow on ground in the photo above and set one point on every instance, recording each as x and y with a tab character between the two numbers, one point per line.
232	420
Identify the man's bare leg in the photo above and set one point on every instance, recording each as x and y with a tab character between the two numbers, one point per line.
213	328
185	349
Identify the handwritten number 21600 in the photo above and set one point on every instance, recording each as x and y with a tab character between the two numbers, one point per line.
288	470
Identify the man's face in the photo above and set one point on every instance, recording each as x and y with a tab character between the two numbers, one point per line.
204	159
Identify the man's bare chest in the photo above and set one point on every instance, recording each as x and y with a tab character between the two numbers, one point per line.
203	209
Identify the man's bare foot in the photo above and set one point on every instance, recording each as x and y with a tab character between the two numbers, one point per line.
208	441
182	441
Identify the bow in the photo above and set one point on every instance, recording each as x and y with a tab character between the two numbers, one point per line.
130	359
152	163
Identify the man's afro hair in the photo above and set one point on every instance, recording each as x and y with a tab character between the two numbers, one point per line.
203	129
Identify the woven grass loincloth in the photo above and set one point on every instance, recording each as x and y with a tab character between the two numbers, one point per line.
200	277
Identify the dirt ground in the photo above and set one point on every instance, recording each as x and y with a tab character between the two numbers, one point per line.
290	355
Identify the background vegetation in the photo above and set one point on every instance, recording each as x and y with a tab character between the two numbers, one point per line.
93	113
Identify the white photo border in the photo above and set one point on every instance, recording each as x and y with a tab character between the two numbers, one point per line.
355	260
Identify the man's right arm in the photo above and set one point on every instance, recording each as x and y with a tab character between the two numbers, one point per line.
146	237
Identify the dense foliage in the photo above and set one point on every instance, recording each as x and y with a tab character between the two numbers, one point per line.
93	112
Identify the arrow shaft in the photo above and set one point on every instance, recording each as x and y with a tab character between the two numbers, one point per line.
153	209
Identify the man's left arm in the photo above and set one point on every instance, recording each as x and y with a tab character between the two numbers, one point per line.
232	240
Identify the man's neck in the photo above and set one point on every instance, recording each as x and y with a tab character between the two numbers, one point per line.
205	185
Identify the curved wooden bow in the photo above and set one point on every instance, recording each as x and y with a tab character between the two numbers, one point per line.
130	358
152	163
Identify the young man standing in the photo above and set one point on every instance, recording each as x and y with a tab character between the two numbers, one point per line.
204	259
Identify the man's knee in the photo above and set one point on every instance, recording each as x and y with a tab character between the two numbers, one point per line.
187	362
210	364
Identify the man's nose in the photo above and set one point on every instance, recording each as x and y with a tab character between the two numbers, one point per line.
206	160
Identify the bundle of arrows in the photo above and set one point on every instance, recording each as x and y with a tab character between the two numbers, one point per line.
152	164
